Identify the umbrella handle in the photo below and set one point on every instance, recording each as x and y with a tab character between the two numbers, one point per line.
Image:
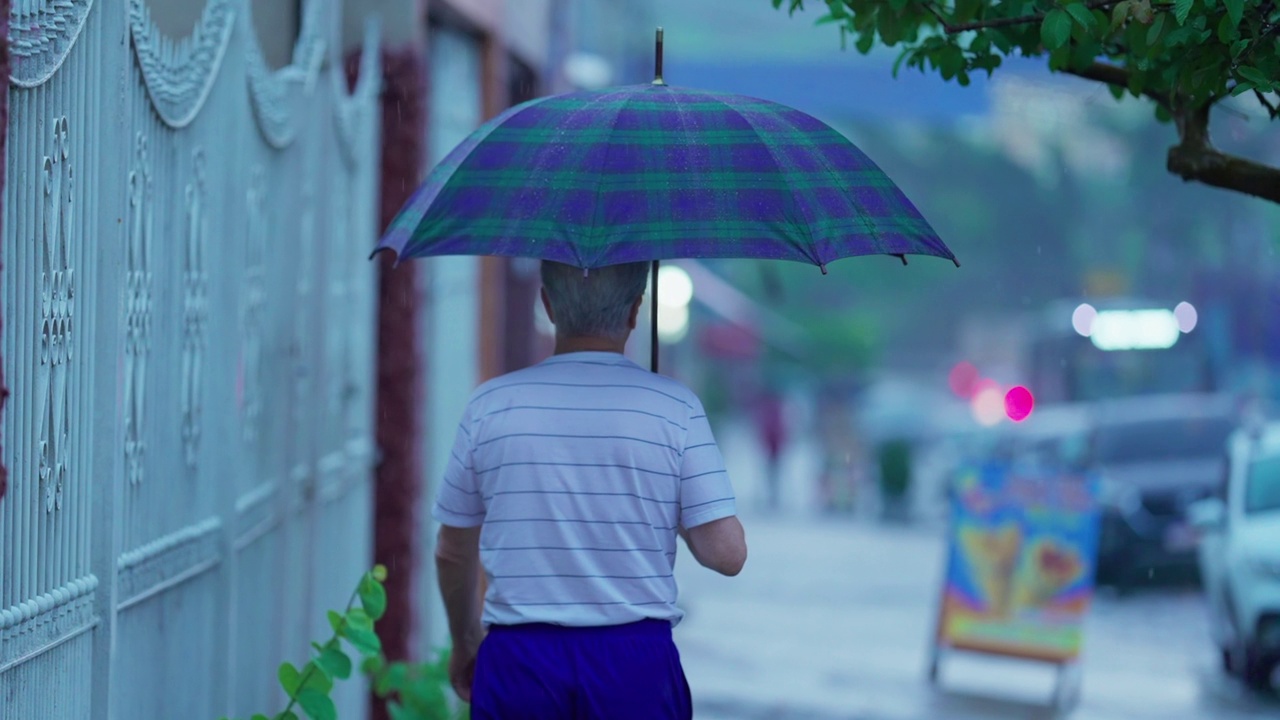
653	309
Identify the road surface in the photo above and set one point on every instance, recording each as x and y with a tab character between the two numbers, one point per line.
831	619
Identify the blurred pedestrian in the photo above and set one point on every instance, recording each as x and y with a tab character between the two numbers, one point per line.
770	414
568	484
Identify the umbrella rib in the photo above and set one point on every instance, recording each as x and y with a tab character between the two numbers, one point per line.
602	171
795	210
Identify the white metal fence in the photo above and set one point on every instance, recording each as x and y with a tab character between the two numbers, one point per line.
188	337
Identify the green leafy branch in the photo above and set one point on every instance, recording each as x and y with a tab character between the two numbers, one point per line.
412	691
1183	55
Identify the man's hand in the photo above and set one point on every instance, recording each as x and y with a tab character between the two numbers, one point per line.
462	662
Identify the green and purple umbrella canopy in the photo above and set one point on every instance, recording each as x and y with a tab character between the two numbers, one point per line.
652	172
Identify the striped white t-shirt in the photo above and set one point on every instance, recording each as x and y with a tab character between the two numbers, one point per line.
580	469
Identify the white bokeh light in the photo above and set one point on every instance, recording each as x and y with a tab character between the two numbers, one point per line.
1082	319
988	406
1187	316
673	321
1135	330
675	287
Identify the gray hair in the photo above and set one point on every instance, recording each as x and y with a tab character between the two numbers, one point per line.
593	304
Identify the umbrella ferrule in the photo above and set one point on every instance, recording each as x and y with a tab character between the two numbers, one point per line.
657	59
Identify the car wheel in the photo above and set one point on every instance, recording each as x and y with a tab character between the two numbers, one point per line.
1257	671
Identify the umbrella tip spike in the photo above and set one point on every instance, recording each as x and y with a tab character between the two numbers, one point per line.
657	58
904	259
823	268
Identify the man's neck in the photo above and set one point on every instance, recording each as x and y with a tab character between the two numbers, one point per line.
588	344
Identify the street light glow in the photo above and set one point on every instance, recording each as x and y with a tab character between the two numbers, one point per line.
675	287
1187	316
1135	330
673	321
1082	319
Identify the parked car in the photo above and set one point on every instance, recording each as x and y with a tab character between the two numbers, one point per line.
1155	455
1240	555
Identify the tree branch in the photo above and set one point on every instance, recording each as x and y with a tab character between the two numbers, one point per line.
1195	158
1117	76
1272	110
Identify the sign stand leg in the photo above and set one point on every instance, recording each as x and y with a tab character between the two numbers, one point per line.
1066	691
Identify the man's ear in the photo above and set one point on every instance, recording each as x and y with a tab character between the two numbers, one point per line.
546	305
635	312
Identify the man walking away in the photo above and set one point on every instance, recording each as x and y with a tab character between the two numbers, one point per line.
568	484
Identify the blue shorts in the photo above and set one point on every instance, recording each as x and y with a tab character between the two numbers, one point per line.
551	672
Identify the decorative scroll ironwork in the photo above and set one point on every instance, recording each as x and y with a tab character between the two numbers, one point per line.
57	307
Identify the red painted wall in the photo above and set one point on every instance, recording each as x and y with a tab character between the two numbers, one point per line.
4	132
399	367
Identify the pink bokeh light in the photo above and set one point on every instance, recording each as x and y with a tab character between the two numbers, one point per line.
963	379
1018	403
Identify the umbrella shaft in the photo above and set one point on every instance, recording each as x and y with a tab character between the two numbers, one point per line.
653	314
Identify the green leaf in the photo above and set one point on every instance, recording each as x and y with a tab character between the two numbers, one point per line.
334	662
1242	88
827	20
1000	40
373	597
1254	75
1056	29
865	42
1235	10
336	622
398	711
1060	59
380	570
1081	13
1181	9
287	715
890	28
1238	48
364	641
290	679
317	705
1227	30
1142	11
950	61
359	619
372	665
1156	30
965	11
316	679
1116	91
1137	82
259	716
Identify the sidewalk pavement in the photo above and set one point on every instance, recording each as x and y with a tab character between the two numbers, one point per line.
832	619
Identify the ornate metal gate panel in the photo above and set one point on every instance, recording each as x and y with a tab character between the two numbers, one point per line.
189	341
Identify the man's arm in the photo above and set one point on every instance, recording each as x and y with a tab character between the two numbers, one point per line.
719	545
458	574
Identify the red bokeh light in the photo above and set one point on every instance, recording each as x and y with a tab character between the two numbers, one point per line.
1018	403
963	379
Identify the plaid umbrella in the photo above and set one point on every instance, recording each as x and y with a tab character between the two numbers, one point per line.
651	172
